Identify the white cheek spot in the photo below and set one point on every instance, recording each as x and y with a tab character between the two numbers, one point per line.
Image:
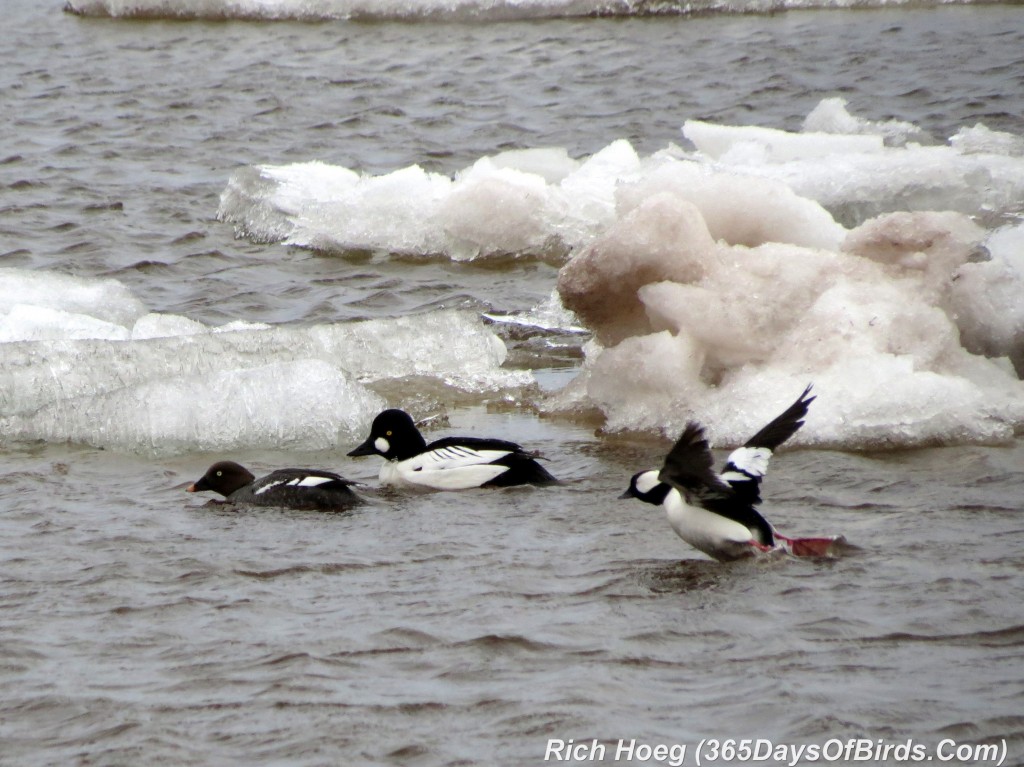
382	445
647	481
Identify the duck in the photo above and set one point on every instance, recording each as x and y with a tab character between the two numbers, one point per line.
304	489
716	512
451	463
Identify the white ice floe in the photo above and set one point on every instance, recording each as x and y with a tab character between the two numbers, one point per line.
542	203
100	299
531	202
831	116
689	325
876	167
302	405
471	10
163	383
851	254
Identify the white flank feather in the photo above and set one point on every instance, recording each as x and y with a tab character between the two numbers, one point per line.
268	486
310	481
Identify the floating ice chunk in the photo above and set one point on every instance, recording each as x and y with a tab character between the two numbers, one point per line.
496	210
740	209
302	405
550	315
858	180
928	246
539	202
453	347
636	382
982	140
986	299
663	238
106	300
231	327
444	351
729	143
1007	245
752	186
396	211
552	164
165	325
590	191
858	187
322	10
212	9
156	325
37	323
324	207
831	116
725	328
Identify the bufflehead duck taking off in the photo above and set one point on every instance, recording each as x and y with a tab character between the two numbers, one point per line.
715	513
306	489
452	463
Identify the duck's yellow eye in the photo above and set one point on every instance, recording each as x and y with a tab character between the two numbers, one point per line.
387	433
220	473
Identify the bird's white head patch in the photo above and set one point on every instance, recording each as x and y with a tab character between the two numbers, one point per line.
647	481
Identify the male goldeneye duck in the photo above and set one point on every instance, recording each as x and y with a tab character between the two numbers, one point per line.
290	488
452	463
714	512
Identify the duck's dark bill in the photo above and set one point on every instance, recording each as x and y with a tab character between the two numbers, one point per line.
367	448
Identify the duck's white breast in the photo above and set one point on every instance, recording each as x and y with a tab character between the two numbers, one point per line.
703	529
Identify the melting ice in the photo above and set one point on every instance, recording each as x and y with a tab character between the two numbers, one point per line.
469	9
880	264
84	361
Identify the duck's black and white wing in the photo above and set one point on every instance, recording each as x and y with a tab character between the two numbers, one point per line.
325	480
689	466
457	463
456	452
451	464
748	464
302	489
688	469
784	425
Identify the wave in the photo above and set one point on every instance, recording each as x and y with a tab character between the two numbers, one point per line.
484	10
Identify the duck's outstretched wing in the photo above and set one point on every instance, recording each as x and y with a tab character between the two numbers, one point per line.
784	425
689	466
748	464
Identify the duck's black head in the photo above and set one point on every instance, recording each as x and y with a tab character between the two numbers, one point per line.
393	435
645	486
224	477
